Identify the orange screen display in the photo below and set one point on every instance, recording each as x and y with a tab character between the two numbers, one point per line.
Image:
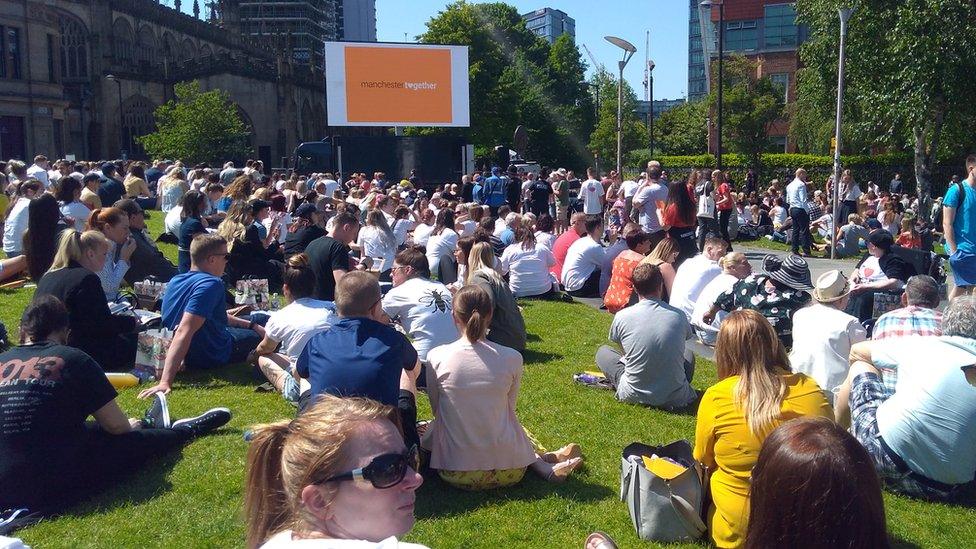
408	85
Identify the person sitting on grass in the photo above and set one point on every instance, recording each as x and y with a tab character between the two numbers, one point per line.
814	485
620	293
756	392
191	224
695	273
654	369
507	325
360	354
73	279
584	260
338	475
918	316
420	305
291	328
527	263
195	307
52	458
146	259
922	439
735	267
475	440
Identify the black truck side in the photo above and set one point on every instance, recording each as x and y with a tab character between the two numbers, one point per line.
437	159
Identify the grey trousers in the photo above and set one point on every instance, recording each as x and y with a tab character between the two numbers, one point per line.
608	360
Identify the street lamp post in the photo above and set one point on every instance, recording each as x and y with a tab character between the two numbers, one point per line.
596	92
113	78
629	51
650	119
708	4
845	16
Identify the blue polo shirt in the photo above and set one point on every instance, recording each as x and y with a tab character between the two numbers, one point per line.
357	357
203	295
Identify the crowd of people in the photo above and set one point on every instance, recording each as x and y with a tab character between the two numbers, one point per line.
397	287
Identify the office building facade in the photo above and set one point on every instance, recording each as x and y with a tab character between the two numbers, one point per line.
356	20
762	30
550	24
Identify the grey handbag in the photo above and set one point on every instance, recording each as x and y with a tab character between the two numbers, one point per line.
661	509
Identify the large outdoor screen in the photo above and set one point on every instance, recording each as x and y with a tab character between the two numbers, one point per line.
372	84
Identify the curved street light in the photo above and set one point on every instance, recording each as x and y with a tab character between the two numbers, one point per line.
629	51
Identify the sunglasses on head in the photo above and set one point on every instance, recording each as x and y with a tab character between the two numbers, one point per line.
383	471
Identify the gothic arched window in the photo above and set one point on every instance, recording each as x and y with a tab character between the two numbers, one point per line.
74	47
122	40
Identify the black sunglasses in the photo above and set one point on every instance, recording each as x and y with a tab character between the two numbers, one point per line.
384	471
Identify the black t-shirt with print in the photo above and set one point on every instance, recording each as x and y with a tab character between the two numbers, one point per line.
47	391
540	192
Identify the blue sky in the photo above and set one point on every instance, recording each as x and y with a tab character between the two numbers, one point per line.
666	19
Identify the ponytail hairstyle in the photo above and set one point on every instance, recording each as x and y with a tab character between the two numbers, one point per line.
473	310
193	203
299	277
747	347
525	236
101	217
72	246
285	457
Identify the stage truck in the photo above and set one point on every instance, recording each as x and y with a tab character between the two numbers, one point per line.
437	159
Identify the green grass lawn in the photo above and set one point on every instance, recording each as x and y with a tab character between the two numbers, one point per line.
194	499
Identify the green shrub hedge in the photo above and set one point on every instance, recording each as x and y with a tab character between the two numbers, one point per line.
878	168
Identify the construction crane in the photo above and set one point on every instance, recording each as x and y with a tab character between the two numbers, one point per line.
596	64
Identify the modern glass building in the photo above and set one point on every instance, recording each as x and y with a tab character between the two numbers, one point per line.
550	24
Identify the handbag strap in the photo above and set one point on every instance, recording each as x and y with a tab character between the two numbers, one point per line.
684	510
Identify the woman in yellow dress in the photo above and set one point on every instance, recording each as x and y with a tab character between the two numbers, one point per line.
756	392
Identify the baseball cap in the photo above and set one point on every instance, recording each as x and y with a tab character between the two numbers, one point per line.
257	205
305	210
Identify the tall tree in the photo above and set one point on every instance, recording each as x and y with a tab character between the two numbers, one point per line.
909	71
603	140
516	78
751	105
198	126
683	130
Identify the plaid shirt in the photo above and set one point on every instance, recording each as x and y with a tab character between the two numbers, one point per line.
904	322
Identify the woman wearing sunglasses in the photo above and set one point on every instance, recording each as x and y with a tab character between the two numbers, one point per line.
476	440
337	473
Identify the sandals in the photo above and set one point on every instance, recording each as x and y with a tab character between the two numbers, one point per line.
570	451
561	471
599	540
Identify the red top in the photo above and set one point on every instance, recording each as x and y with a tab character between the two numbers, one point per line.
560	248
670	218
621	287
722	192
905	240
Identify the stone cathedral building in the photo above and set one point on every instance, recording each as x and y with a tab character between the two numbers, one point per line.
83	77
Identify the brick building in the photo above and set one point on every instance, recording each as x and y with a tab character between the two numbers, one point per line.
764	31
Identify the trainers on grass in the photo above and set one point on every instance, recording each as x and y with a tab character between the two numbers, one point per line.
157	416
205	422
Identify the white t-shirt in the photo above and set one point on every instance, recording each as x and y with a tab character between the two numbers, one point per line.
630	188
870	270
421	234
39	174
15	226
528	269
469	227
590	193
500	226
400	229
283	224
284	539
78	211
709	332
423	308
172	221
822	352
375	244
689	281
779	216
439	246
583	257
648	196
297	322
546	239
330	187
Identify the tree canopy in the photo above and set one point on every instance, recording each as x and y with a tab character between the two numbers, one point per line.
751	105
603	140
682	130
198	126
517	78
909	75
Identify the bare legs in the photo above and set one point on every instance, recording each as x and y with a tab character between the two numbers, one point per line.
12	267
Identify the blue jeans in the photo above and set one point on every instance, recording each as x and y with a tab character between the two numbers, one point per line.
243	341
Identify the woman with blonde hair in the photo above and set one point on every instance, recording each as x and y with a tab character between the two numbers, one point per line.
735	267
338	473
756	392
172	187
664	256
249	257
238	191
476	440
73	279
507	326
